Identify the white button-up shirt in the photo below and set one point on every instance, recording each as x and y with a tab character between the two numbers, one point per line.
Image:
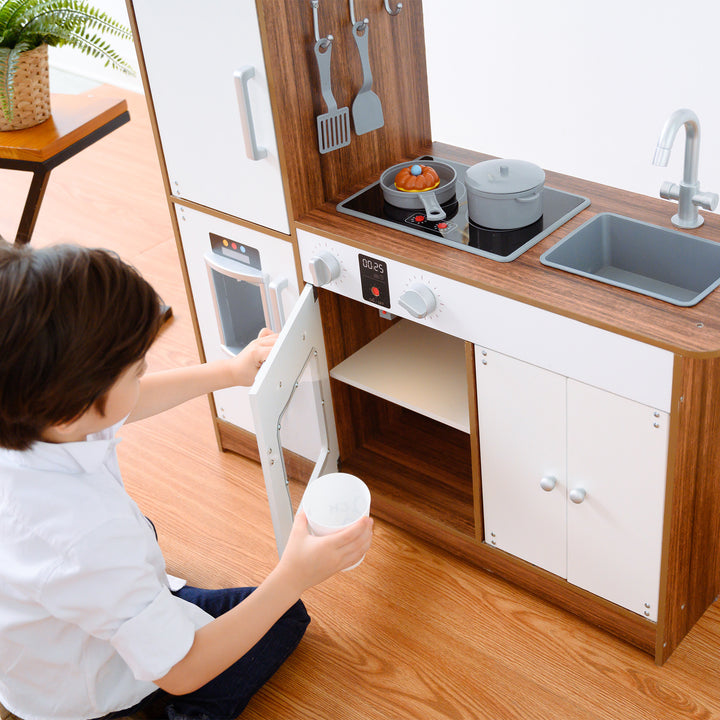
87	619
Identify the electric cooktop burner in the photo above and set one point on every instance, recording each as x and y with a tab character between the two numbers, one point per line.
457	230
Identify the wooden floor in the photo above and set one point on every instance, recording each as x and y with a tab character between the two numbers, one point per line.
412	633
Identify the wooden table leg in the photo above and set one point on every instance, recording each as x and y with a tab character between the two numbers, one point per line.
32	205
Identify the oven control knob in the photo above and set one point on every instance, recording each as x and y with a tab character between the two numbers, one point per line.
324	268
419	300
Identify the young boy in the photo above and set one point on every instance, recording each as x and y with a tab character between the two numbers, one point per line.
90	625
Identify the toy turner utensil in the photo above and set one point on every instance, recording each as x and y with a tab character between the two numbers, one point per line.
367	110
334	125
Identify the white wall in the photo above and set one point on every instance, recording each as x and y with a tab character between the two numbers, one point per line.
580	87
72	60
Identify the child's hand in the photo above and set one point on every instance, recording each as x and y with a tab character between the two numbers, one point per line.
309	560
247	362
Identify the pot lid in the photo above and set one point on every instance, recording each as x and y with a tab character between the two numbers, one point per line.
502	177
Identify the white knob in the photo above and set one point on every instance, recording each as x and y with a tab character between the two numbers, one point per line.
548	483
324	268
706	200
577	495
670	191
419	300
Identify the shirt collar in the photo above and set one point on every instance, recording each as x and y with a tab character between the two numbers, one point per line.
84	456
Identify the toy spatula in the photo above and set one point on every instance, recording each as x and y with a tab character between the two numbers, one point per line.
366	109
334	125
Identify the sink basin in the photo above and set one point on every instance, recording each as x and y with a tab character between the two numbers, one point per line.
675	267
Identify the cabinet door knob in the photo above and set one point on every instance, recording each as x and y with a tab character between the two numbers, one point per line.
577	495
548	483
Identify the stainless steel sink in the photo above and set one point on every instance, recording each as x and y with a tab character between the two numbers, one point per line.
672	266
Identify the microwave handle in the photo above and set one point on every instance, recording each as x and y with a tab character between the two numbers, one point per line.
278	315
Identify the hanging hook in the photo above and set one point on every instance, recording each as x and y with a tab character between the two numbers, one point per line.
392	12
364	22
324	42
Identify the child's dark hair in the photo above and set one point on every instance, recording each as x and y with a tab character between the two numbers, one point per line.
72	320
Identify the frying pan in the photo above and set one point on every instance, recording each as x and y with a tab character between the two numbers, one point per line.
428	200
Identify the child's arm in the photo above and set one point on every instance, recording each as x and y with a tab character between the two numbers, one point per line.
306	561
163	390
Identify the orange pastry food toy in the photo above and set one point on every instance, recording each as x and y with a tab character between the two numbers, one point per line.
417	178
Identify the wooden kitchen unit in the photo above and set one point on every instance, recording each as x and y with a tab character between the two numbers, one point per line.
429	476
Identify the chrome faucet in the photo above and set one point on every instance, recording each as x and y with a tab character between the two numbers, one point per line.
687	193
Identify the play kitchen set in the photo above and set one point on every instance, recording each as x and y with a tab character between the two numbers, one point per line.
524	367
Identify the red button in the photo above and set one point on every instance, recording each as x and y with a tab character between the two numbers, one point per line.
375	291
442	226
419	218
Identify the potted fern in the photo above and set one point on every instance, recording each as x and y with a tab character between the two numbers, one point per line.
27	28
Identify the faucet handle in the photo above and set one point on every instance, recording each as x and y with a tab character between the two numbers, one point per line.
670	191
706	200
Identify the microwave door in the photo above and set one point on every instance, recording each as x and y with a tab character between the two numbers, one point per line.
298	352
245	301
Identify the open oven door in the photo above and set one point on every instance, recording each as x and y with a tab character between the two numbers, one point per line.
297	360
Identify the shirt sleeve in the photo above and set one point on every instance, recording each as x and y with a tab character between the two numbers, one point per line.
109	584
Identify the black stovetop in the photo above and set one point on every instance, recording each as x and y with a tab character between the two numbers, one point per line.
457	230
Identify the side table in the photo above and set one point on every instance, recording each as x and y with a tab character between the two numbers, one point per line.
77	121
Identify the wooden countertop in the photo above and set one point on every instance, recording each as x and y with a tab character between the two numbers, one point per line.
691	331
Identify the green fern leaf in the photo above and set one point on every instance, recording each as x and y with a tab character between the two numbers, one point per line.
26	24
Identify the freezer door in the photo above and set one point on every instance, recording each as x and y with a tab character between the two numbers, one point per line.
297	359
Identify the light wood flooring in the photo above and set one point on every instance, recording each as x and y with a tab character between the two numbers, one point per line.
412	633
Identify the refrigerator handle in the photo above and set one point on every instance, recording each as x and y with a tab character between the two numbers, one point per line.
241	77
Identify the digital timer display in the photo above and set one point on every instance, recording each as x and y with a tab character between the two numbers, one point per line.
374	280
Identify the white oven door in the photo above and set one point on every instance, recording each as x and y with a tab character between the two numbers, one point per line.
297	365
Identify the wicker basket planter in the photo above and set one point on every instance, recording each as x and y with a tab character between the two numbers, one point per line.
31	91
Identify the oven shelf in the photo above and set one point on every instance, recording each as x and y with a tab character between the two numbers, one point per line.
415	367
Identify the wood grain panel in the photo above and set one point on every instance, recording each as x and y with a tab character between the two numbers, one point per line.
693	518
397	60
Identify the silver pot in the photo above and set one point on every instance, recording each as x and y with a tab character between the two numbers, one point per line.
504	194
427	200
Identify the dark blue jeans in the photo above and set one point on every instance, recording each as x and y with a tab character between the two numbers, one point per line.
225	697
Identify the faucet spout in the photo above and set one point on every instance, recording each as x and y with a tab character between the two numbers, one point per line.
692	143
688	192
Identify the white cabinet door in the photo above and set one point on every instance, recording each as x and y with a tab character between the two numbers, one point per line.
573	479
617	454
521	410
211	99
299	349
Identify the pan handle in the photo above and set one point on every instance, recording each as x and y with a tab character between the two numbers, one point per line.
433	211
528	198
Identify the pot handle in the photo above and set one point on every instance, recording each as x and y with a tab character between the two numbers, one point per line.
433	211
528	198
